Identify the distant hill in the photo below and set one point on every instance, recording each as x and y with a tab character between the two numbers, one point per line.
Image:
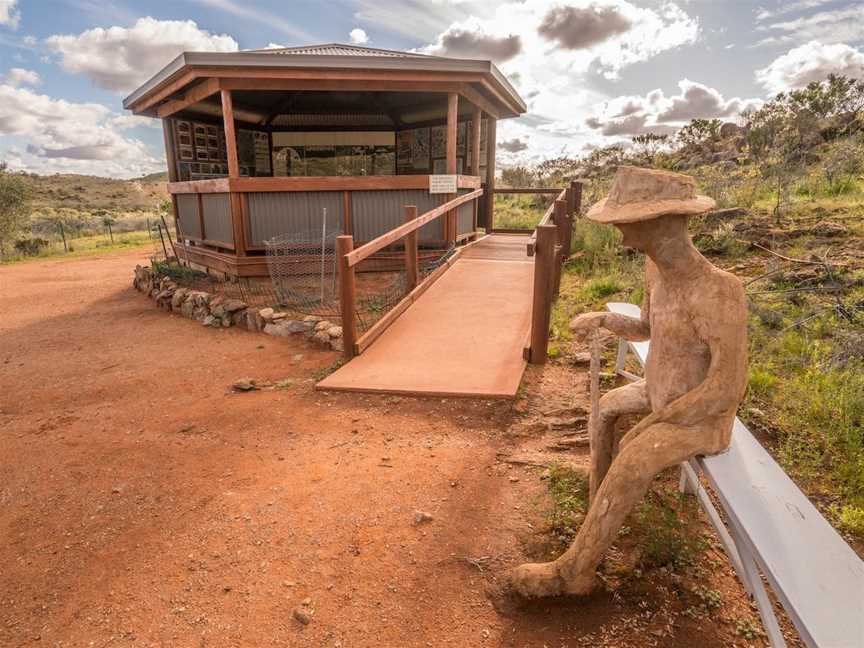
89	193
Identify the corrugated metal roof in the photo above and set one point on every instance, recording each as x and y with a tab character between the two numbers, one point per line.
339	49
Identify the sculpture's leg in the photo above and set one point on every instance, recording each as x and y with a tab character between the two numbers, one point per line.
629	399
658	447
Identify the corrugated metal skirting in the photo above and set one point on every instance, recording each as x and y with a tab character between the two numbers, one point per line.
217	218
187	214
297	212
375	212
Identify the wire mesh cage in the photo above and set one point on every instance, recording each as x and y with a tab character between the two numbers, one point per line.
303	271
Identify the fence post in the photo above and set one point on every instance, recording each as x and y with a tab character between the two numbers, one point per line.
347	295
412	267
544	267
564	224
576	196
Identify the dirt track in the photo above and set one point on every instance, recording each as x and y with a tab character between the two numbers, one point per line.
143	503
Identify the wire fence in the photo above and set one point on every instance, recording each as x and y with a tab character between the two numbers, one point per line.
304	277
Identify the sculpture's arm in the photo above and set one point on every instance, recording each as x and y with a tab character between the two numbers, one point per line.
723	326
629	328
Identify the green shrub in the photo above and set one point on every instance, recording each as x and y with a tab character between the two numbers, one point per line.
761	382
666	531
568	490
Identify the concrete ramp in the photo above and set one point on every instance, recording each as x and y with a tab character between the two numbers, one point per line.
463	337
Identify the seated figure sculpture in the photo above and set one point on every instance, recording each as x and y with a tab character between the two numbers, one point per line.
695	376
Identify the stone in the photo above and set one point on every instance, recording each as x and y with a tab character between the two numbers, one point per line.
323	325
280	315
186	309
285	328
210	320
303	615
335	331
238	318
178	298
311	318
422	516
337	344
244	385
729	129
321	337
233	305
266	314
581	358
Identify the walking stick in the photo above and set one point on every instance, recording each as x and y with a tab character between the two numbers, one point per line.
593	418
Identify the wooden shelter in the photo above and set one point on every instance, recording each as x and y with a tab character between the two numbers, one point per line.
278	142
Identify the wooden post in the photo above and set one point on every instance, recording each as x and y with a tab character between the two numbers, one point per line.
476	117
412	266
544	262
238	231
489	194
171	161
201	228
565	228
230	135
347	294
576	195
452	128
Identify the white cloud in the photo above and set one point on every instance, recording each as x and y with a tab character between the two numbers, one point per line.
830	26
549	49
121	58
63	136
256	14
470	40
789	7
811	62
19	76
657	113
9	14
358	36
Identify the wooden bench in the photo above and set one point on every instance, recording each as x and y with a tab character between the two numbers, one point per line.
773	528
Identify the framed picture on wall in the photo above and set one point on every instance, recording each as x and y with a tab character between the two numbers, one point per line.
184	127
201	154
439	166
420	149
186	153
439	141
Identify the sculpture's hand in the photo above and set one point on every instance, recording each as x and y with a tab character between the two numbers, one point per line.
583	324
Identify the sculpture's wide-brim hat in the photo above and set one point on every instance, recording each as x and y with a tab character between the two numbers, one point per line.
642	194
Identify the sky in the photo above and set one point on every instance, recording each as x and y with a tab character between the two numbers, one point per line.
593	72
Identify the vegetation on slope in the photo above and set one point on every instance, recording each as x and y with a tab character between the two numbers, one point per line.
789	223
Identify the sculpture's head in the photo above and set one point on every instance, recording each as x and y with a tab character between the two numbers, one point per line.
647	204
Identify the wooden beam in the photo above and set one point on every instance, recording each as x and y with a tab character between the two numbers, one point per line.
450	227
230	135
542	301
412	268
347	225
476	118
347	294
170	148
281	108
472	95
325	85
192	96
489	203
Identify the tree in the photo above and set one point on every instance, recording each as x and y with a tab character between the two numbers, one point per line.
699	132
842	162
13	207
518	176
647	145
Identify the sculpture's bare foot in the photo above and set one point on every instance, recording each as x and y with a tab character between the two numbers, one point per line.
536	580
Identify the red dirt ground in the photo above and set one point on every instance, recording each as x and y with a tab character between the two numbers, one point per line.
142	503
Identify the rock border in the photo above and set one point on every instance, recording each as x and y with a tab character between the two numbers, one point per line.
217	311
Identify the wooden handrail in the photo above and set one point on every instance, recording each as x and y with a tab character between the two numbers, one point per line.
548	218
370	248
526	190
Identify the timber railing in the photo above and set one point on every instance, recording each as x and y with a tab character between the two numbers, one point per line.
347	258
550	245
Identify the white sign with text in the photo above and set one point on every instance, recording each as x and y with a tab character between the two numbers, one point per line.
442	184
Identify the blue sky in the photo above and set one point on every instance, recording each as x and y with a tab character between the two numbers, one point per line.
593	72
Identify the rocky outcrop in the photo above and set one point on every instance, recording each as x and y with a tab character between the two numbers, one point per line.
218	311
